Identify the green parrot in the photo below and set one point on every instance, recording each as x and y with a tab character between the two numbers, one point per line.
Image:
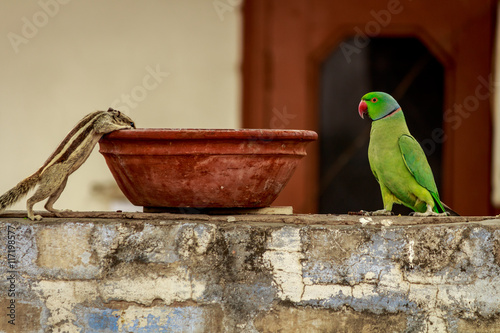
397	160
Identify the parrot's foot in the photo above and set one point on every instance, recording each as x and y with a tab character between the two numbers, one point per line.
380	212
429	212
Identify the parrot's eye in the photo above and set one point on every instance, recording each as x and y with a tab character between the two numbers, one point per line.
374	100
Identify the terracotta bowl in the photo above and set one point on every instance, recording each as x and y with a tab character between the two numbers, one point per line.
203	168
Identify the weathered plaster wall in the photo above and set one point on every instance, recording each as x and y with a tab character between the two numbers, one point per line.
195	273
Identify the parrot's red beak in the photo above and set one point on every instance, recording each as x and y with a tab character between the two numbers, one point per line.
362	109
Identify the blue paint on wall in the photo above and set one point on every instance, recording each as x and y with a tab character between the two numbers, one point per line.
103	321
180	319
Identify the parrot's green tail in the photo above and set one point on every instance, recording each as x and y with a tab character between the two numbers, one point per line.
438	206
441	207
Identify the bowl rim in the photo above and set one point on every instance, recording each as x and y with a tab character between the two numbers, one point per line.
215	134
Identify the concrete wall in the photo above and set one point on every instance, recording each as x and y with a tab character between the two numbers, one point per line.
129	272
166	63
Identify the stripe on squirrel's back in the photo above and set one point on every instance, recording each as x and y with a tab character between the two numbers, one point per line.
72	140
85	134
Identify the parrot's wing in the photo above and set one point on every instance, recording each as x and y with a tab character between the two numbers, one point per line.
416	162
373	170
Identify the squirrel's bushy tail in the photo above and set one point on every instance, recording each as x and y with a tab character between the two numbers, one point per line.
18	192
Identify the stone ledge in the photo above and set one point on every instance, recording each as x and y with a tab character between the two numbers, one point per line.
330	219
126	272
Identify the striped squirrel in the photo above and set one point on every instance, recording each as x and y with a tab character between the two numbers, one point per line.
73	151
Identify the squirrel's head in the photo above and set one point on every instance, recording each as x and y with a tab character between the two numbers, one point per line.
112	120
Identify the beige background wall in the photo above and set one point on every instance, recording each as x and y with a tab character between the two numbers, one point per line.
166	63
